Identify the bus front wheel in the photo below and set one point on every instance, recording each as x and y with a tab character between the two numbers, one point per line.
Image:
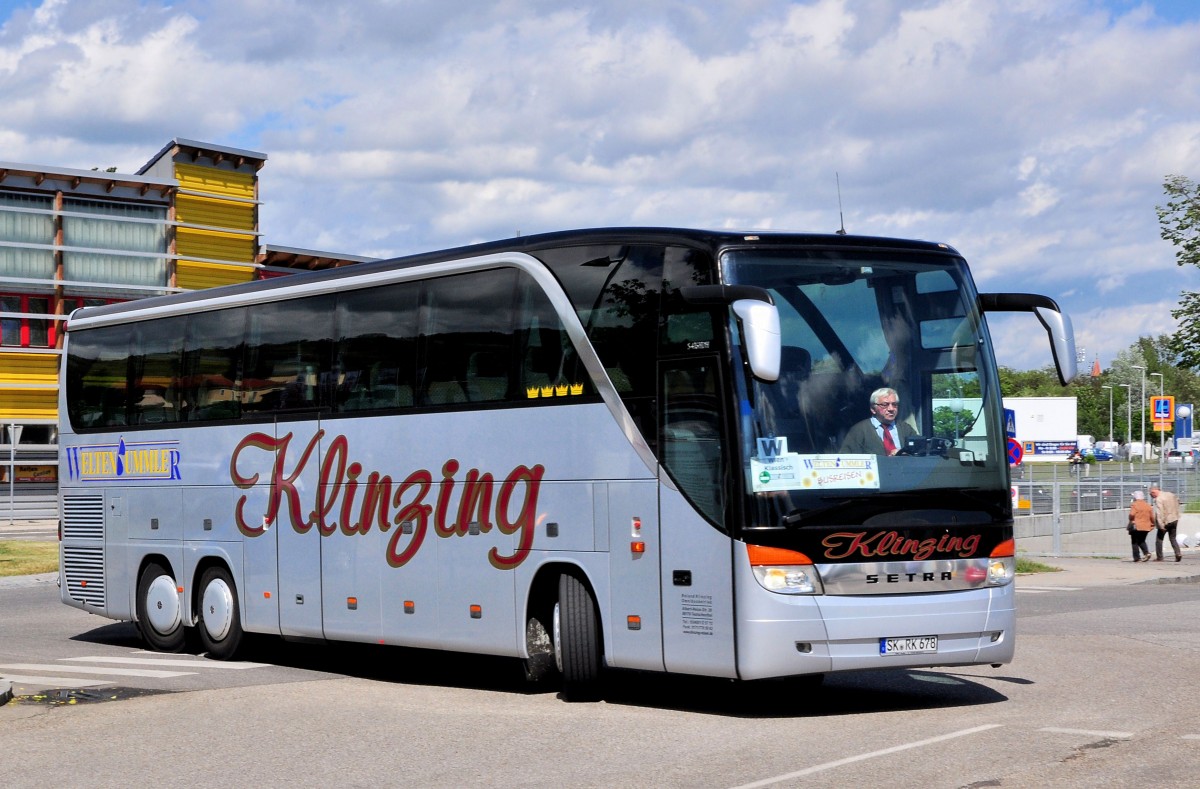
220	620
577	640
159	614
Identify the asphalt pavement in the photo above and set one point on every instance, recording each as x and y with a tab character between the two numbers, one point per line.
1070	571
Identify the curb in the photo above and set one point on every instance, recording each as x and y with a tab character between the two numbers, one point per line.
18	581
1178	579
6	693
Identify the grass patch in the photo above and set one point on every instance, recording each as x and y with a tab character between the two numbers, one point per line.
1030	566
25	557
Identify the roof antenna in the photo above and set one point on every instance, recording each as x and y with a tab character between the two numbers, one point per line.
842	230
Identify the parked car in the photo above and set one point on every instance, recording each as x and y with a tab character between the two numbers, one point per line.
1181	457
1097	453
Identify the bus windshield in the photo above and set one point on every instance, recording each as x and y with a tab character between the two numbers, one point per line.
869	340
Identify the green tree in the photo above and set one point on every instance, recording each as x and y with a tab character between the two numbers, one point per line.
1156	354
1179	223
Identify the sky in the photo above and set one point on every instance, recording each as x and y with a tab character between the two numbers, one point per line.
1032	135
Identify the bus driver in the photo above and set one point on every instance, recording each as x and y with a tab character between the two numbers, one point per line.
881	433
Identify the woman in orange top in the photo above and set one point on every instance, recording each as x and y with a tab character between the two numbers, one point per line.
1141	521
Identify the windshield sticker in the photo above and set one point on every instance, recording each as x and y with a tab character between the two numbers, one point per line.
792	471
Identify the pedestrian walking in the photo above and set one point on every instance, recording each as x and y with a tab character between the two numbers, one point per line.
1166	519
1141	521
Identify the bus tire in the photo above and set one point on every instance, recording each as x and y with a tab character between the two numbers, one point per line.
577	640
220	627
159	613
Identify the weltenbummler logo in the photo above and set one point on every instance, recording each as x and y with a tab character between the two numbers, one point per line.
132	460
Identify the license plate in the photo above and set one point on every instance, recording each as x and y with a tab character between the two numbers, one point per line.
909	645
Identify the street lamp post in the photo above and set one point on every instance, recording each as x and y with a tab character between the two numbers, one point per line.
1141	411
1109	388
1162	438
1128	420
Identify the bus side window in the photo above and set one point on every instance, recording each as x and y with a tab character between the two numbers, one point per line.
97	377
467	333
154	371
212	365
549	364
288	354
691	434
376	357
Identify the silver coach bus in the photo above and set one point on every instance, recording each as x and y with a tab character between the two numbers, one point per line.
595	449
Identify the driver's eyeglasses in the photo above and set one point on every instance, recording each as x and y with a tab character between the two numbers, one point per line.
893	404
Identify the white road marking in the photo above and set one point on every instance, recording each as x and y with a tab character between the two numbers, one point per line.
183	662
1040	589
864	756
120	672
1114	735
54	682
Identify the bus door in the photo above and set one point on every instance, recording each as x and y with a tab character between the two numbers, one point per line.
299	460
342	564
696	572
634	546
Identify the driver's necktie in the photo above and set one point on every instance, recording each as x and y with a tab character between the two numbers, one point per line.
889	446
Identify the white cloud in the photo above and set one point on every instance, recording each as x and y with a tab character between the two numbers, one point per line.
1031	134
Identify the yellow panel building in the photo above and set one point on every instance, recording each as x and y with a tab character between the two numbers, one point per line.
188	219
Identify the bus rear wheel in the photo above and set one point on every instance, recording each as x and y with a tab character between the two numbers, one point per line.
577	640
160	617
220	618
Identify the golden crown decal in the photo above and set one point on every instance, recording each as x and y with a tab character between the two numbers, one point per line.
555	390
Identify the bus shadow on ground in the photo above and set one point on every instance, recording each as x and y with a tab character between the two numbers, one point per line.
850	693
802	697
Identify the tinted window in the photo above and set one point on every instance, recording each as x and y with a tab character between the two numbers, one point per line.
548	364
467	332
154	371
484	337
96	377
376	359
212	365
289	355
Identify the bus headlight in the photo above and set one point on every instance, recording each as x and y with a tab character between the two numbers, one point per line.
788	580
782	571
1002	564
1001	570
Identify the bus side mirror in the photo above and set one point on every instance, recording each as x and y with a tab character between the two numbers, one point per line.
1056	323
760	328
760	322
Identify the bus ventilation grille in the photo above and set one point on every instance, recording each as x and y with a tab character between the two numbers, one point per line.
83	570
83	517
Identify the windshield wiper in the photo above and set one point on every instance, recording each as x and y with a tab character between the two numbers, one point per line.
947	499
797	516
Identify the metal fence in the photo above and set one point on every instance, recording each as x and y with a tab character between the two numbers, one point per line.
1055	488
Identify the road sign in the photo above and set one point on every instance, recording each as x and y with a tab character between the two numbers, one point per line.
1162	408
1015	452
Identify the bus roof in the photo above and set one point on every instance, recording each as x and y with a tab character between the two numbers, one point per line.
711	240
